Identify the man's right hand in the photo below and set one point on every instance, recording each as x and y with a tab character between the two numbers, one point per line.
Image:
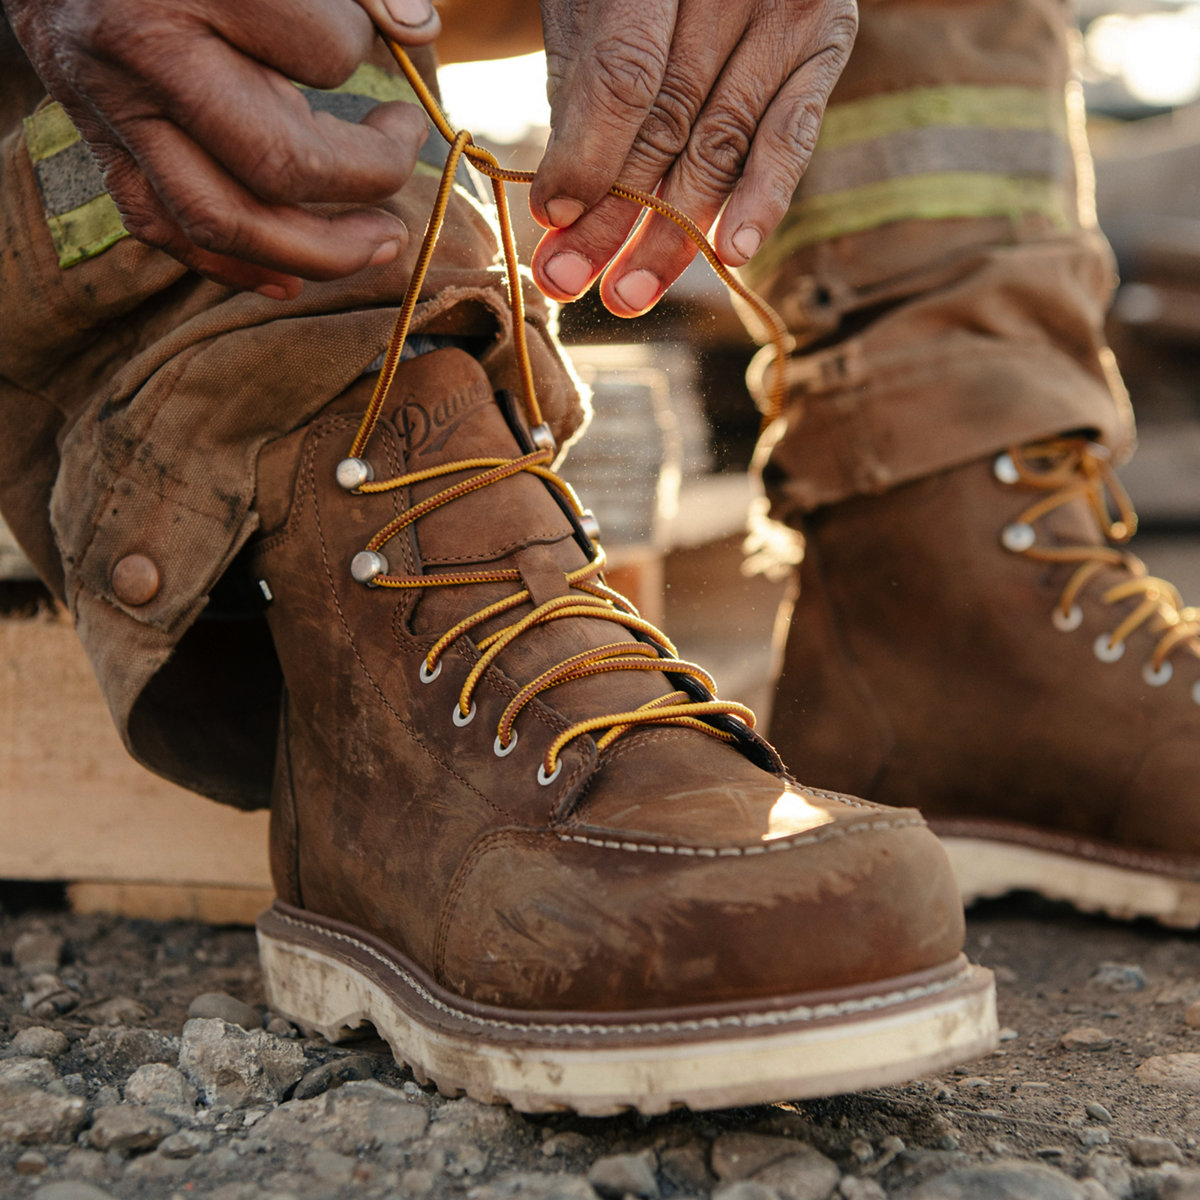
209	150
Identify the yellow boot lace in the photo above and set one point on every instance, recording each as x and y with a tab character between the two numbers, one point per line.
590	597
1071	469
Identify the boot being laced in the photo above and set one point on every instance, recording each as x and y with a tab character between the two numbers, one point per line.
1072	469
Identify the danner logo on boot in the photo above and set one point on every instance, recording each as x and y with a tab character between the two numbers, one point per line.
428	429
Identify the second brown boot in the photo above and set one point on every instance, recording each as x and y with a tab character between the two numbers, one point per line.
977	644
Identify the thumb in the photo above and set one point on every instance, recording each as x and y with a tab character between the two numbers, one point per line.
409	22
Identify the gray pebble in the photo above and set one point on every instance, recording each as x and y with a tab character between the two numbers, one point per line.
278	1027
36	1072
107	1096
618	1175
1153	1151
39	1041
114	1010
235	1068
30	1163
184	1144
1094	1135
745	1189
333	1074
224	1007
1119	977
1099	1113
31	1117
70	1190
997	1181
128	1129
568	1143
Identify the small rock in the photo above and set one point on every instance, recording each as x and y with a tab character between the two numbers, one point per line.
1099	1113
1153	1152
1119	977
1008	1034
1005	974
741	1155
568	1142
1085	1037
862	1149
107	1096
114	1010
30	1163
235	1068
38	952
48	997
31	1117
974	1081
1180	1072
618	1175
997	1181
36	1072
157	1085
128	1129
1094	1135
70	1190
223	1007
808	1175
745	1189
185	1144
1092	1190
853	1188
1112	1174
278	1027
685	1167
333	1074
39	1041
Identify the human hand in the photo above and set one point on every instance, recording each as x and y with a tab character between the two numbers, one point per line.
711	102
210	153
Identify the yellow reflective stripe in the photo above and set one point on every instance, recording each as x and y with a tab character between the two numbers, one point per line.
85	231
917	197
48	131
918	108
372	81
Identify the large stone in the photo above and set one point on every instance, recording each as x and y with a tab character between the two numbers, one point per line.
618	1175
35	1071
234	1068
128	1129
997	1181
31	1117
359	1117
39	1041
1183	1185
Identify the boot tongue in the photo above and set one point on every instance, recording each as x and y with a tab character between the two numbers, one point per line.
446	413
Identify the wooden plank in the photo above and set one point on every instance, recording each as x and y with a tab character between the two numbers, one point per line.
164	902
74	806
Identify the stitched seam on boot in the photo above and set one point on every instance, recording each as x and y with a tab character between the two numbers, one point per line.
801	1013
810	839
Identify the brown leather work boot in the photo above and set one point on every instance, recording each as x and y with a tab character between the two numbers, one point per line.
974	644
518	837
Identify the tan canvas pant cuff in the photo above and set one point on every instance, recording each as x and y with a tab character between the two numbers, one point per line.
945	281
134	401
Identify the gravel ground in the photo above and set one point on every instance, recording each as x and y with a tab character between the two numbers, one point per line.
139	1060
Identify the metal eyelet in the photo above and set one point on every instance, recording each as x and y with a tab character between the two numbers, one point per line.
1157	676
428	676
1017	537
589	525
367	565
352	473
542	438
1005	469
1069	620
459	719
1106	651
546	780
504	751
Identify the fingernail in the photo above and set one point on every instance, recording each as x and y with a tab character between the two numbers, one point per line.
569	272
563	212
747	241
385	254
409	12
272	291
638	290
